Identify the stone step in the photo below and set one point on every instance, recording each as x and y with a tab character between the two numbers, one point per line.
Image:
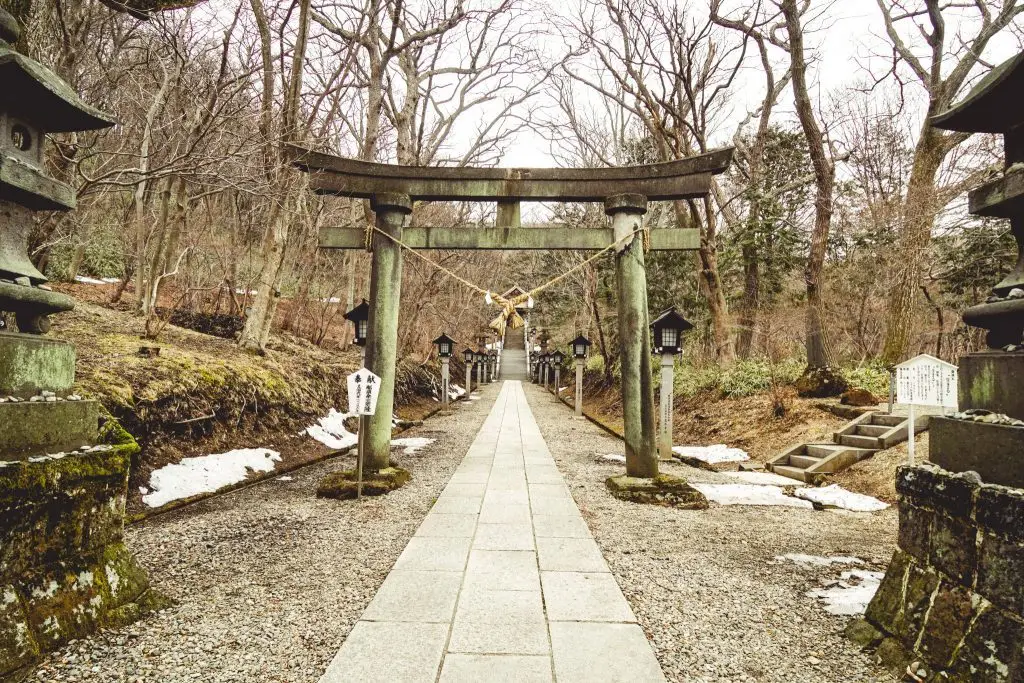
887	420
823	450
868	442
872	430
803	461
791	472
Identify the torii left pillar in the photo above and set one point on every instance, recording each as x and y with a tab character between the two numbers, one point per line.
382	332
627	212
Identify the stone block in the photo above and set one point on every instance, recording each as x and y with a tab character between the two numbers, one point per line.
922	583
954	548
936	489
344	485
664	489
1001	510
17	647
863	633
993	649
35	429
885	608
991	380
30	364
948	620
994	451
915	531
1000	570
63	602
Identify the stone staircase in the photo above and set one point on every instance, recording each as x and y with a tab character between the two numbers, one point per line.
863	437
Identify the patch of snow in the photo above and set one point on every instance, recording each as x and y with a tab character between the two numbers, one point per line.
851	594
836	496
712	454
207	474
88	280
612	457
412	444
285	478
331	432
748	494
808	561
143	490
330	300
454	391
764	478
474	397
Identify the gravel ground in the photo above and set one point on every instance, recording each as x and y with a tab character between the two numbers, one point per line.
705	584
270	579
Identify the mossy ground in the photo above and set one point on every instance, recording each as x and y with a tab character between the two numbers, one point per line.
343	485
665	489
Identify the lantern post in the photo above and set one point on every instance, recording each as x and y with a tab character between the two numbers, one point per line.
445	347
557	358
579	351
467	357
666	332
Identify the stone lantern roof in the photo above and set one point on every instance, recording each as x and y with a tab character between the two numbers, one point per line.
31	91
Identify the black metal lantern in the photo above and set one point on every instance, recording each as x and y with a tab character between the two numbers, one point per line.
468	355
667	331
360	317
579	346
558	358
445	346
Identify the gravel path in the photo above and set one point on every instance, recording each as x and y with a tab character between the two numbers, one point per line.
705	585
270	579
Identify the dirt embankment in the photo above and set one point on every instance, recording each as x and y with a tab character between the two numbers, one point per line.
201	394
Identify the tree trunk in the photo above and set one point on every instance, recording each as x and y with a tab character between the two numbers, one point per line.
919	211
751	303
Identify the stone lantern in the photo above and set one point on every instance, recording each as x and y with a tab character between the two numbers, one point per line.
557	359
667	336
579	348
445	347
65	570
360	319
468	357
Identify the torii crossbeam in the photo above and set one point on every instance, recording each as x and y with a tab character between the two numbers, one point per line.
625	192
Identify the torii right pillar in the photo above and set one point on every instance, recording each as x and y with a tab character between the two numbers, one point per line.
627	212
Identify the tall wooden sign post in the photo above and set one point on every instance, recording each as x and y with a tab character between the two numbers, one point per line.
625	192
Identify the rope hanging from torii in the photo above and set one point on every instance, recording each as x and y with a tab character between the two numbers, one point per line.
509	316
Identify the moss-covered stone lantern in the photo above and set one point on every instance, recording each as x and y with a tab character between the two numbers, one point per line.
64	568
33	102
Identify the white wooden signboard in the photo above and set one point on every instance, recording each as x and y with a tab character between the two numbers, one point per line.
925	381
363	390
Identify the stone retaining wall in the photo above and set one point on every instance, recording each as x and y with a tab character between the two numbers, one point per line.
951	605
64	570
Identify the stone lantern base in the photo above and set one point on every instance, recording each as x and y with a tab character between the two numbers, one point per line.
64	569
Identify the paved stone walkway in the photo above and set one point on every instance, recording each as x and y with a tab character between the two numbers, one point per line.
502	581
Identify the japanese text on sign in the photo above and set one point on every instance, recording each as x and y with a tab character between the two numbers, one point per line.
926	381
363	390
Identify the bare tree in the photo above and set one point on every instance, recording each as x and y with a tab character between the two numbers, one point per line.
941	66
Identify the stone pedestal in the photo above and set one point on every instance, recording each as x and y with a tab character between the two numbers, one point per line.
64	569
994	451
30	364
951	604
993	380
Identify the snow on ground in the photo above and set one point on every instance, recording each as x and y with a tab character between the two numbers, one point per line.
836	496
612	457
206	474
454	391
331	431
808	561
712	454
749	494
763	478
851	594
412	444
85	280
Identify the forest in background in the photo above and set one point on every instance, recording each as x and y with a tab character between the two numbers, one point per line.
839	237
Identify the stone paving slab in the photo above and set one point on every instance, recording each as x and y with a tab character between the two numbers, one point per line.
502	581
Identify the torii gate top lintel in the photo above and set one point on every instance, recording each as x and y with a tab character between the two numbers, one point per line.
688	178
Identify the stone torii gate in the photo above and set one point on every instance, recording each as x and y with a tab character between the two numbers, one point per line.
625	192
